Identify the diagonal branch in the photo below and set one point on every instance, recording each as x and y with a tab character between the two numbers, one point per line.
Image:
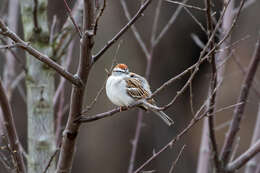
72	18
239	111
11	131
252	164
38	55
122	31
135	31
169	24
186	5
244	158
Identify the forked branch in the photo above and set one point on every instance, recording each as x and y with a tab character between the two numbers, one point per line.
38	55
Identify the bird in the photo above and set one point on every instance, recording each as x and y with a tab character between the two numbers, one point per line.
124	88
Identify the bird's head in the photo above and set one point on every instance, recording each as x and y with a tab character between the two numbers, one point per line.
120	69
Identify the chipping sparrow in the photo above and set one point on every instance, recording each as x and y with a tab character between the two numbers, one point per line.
124	88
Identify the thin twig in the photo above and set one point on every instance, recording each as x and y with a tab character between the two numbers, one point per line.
155	23
198	116
252	164
248	3
4	162
11	131
187	6
195	19
15	56
236	145
122	31
50	160
239	111
135	31
14	45
149	60
17	80
35	16
62	82
232	45
201	58
177	159
100	13
243	70
72	19
52	30
40	56
191	100
170	22
135	141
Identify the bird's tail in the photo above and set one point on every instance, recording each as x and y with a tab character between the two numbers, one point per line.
164	117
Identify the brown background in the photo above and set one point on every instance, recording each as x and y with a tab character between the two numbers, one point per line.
105	145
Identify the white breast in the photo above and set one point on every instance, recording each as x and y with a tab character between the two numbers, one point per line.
116	91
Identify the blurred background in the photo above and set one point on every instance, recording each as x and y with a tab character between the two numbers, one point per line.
105	145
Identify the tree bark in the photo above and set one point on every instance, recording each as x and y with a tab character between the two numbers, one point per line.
40	88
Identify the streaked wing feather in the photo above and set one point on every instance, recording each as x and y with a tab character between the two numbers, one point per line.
136	90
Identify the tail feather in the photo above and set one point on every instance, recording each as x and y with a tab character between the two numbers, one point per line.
164	117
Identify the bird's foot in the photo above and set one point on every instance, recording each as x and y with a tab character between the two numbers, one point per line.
123	108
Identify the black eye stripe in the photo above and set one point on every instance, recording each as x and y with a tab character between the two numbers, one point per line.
119	71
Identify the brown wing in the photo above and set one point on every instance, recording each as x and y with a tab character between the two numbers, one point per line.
136	90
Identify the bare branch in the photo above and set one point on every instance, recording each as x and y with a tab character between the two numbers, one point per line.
187	6
84	119
193	121
14	45
40	56
100	13
213	84
177	159
11	131
122	31
135	31
236	145
243	70
72	19
15	56
169	24
204	154
70	133
202	56
155	23
252	164
196	20
51	159
191	100
35	16
244	158
239	111
247	4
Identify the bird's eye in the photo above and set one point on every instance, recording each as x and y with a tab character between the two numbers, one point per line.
131	75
